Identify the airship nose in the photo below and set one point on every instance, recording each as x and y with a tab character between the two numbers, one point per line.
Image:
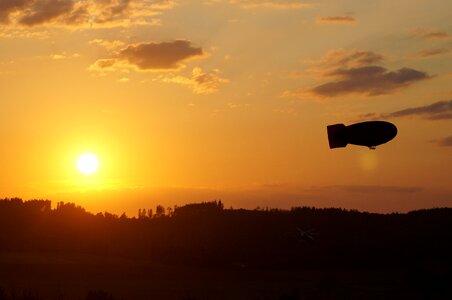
392	130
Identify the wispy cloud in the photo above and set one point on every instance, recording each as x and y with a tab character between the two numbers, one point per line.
64	55
430	53
341	58
444	142
8	33
267	4
81	13
356	72
43	11
377	188
109	45
368	80
165	56
104	65
441	110
200	82
430	34
436	111
335	19
123	80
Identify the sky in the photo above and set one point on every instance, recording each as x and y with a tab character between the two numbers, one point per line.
196	100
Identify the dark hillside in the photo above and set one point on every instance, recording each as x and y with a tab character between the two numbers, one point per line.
207	234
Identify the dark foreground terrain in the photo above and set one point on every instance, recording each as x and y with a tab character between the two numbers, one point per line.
203	251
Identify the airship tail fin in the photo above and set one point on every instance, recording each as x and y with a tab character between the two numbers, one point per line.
336	136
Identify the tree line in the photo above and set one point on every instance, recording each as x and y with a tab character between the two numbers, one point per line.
207	234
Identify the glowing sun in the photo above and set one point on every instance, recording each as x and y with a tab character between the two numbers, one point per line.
87	164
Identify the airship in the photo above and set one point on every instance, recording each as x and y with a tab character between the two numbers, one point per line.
370	134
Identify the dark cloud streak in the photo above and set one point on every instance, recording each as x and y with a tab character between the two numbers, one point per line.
440	110
166	55
430	34
445	142
356	72
336	20
9	6
378	189
116	9
80	12
46	10
432	52
368	80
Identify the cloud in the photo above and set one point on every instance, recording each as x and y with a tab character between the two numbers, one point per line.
113	9
430	34
200	82
356	72
441	110
160	56
266	4
444	142
165	56
377	189
436	111
104	65
341	58
8	7
44	11
368	80
81	13
428	53
64	55
335	20
109	45
123	80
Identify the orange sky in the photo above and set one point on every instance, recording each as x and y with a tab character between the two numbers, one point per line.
198	100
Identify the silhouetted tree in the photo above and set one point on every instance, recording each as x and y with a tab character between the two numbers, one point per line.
108	215
142	213
159	211
220	205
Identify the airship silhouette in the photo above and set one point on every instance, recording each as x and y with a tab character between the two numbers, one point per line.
369	134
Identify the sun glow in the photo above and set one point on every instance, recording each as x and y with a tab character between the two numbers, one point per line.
87	164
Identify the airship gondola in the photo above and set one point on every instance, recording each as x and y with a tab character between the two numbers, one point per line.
369	134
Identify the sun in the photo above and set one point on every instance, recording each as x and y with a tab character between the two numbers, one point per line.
87	164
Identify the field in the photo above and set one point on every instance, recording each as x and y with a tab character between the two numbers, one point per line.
75	277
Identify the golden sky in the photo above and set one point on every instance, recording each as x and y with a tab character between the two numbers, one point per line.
197	100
